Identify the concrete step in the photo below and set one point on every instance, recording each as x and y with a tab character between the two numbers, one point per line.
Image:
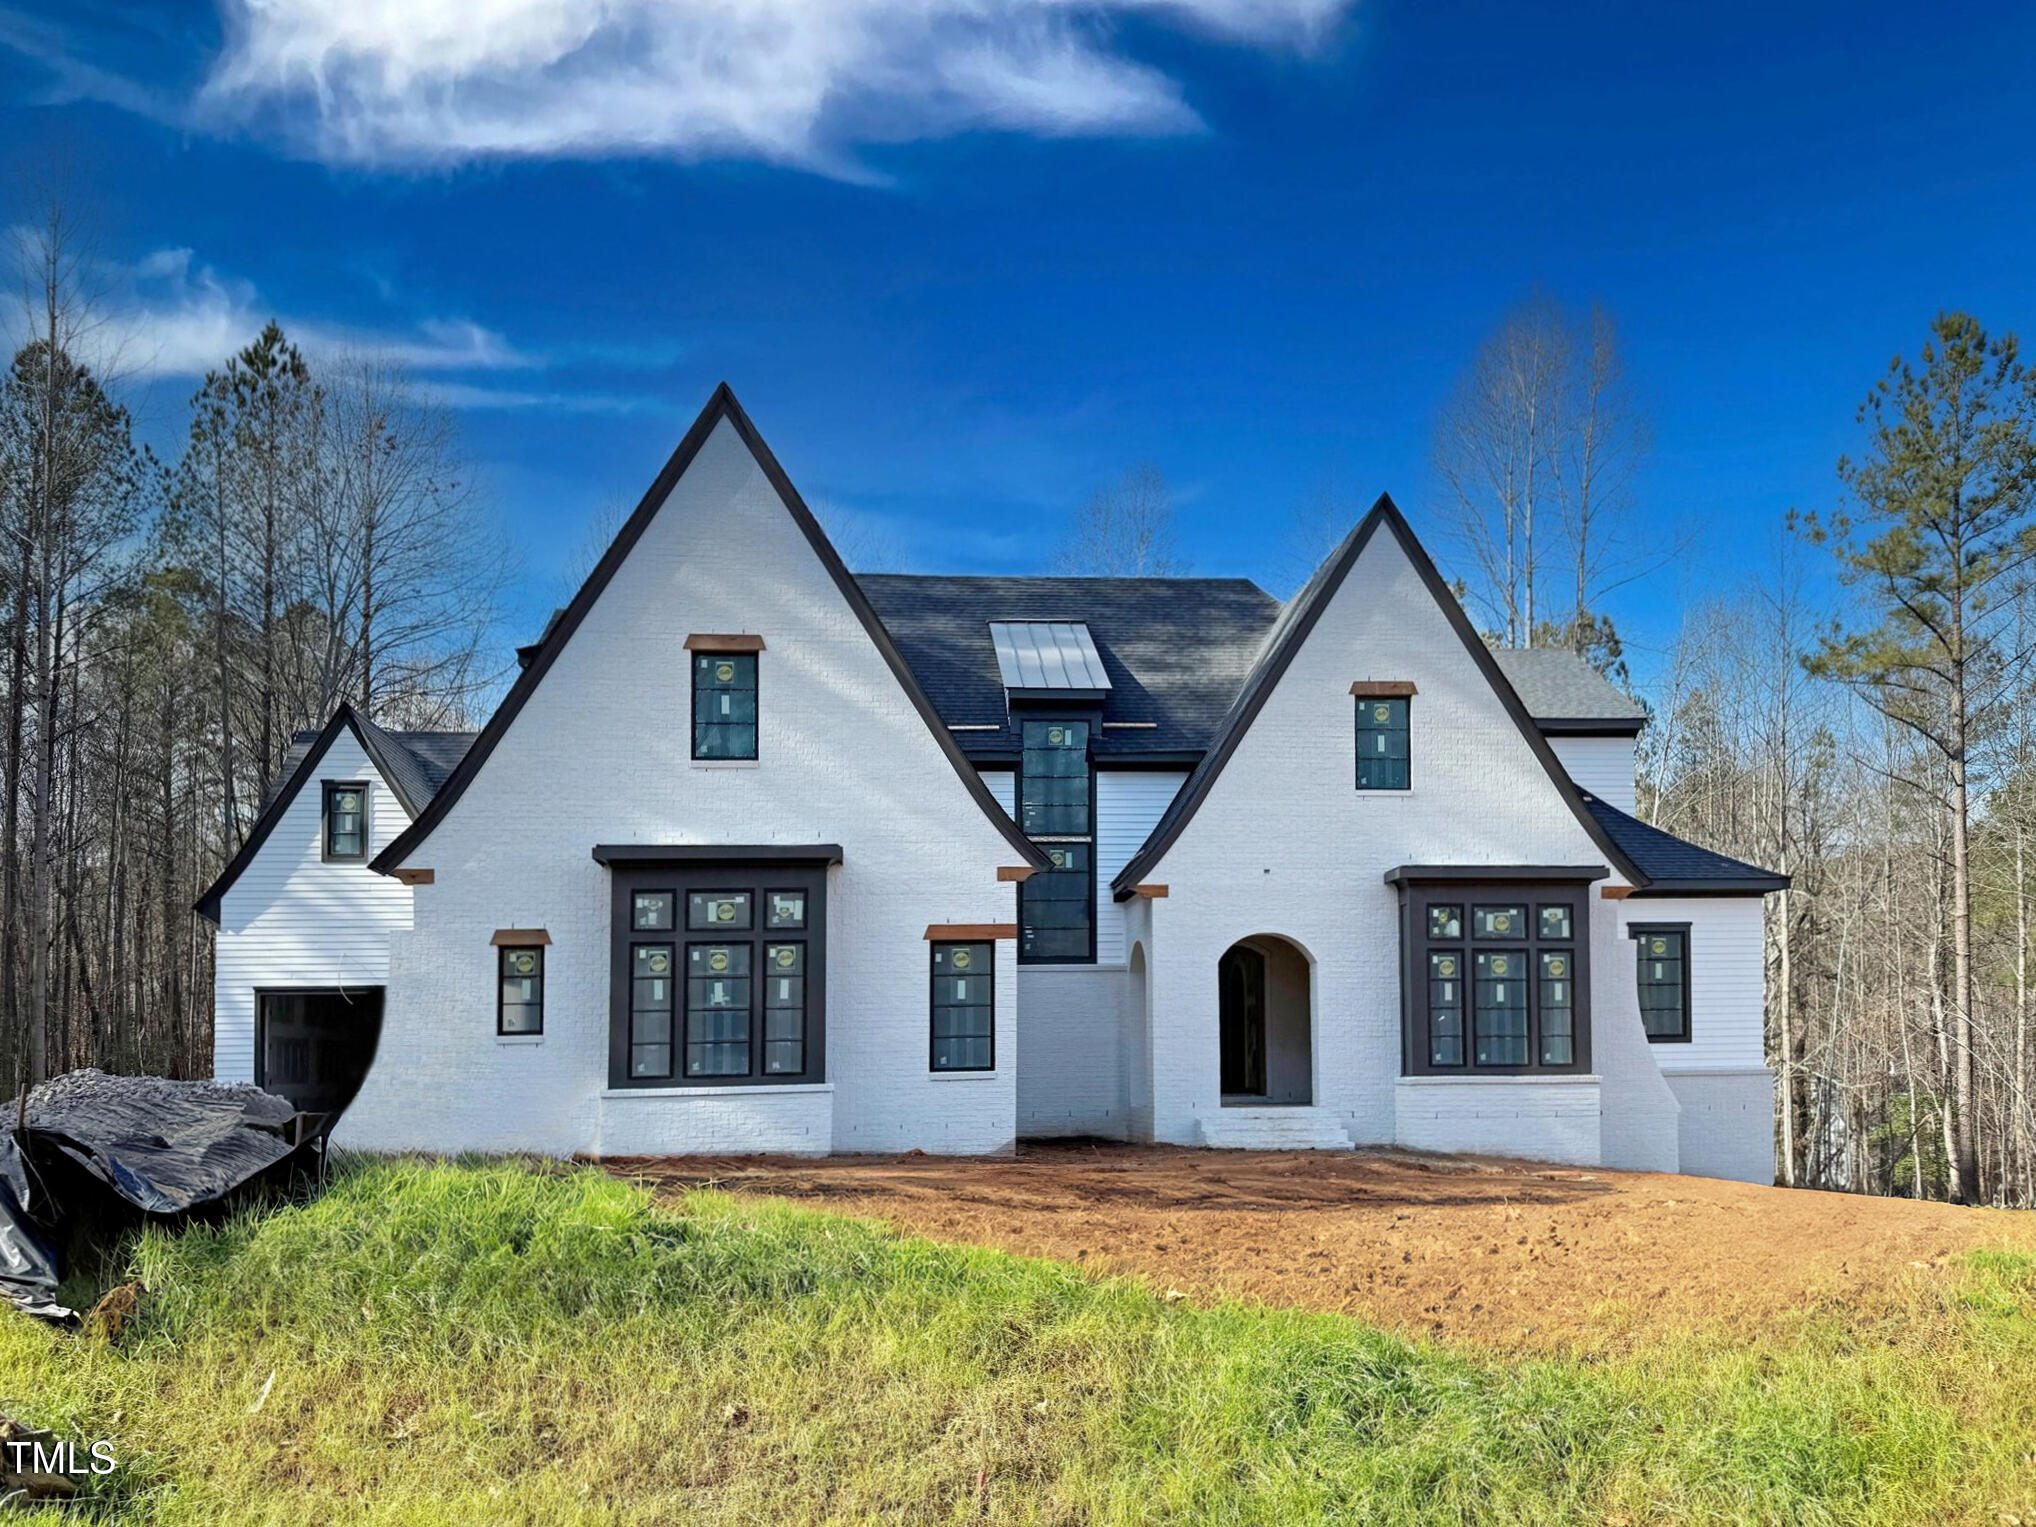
1274	1127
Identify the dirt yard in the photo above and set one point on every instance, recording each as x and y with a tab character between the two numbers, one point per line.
1509	1254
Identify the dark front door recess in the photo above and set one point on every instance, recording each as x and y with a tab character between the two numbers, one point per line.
315	1047
1240	975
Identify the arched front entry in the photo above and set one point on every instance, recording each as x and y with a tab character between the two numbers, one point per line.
1266	1013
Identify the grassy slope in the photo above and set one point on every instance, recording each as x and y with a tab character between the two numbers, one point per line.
499	1343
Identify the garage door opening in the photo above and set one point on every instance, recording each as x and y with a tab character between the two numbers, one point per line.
315	1047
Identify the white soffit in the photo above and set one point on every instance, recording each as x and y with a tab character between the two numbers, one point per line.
1047	654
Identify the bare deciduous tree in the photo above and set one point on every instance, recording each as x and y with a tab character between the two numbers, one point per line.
1124	531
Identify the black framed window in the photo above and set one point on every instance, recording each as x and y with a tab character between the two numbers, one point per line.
1384	758
1494	979
718	976
1056	808
964	1007
346	820
724	705
1663	952
519	993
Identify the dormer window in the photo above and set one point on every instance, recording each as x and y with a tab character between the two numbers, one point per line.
1384	754
346	821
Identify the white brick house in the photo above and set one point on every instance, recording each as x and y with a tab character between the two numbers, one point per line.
759	856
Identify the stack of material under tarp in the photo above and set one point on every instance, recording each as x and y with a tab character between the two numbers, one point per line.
160	1147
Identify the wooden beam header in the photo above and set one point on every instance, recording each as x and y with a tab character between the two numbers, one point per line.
702	642
947	933
1019	873
519	938
1382	689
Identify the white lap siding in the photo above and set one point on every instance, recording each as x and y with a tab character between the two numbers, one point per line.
1720	1077
1601	765
293	920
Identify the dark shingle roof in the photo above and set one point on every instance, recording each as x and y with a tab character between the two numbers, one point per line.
1176	649
1557	685
1672	866
416	762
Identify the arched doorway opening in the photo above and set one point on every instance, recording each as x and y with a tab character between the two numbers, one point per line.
1266	1021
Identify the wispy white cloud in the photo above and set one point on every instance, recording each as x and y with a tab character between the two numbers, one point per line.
170	315
802	82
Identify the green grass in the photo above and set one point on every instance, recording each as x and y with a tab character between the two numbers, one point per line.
504	1343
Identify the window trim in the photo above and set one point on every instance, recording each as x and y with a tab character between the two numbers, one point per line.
755	655
1638	931
758	877
1362	695
502	953
1093	720
326	787
933	948
1499	888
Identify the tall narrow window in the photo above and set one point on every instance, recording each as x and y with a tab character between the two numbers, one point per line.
717	1009
724	705
1383	758
346	821
1057	906
1664	981
964	1007
519	1006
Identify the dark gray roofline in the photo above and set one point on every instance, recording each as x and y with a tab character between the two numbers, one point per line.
1589	726
1286	640
374	742
1720	874
722	405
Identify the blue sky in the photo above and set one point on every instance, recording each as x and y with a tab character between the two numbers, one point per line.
966	263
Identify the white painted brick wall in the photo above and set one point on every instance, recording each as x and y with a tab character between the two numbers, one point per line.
293	920
1601	765
718	1121
1540	1120
1286	845
600	754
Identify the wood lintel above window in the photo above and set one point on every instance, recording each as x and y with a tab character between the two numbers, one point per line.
962	933
702	642
1383	689
519	938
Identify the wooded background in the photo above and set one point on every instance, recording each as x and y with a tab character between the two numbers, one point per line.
169	624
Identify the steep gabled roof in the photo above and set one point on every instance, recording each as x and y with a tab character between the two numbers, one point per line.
722	405
1285	639
1676	868
413	764
1174	649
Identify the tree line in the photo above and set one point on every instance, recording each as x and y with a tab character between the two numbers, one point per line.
1875	743
172	623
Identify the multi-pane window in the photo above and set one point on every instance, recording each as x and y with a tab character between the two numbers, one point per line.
346	821
1383	758
1057	906
721	980
519	1003
1664	955
1494	981
724	705
964	1007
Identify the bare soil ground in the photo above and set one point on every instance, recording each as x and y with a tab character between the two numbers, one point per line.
1504	1253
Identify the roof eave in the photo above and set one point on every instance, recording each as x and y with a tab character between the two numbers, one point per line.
208	905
